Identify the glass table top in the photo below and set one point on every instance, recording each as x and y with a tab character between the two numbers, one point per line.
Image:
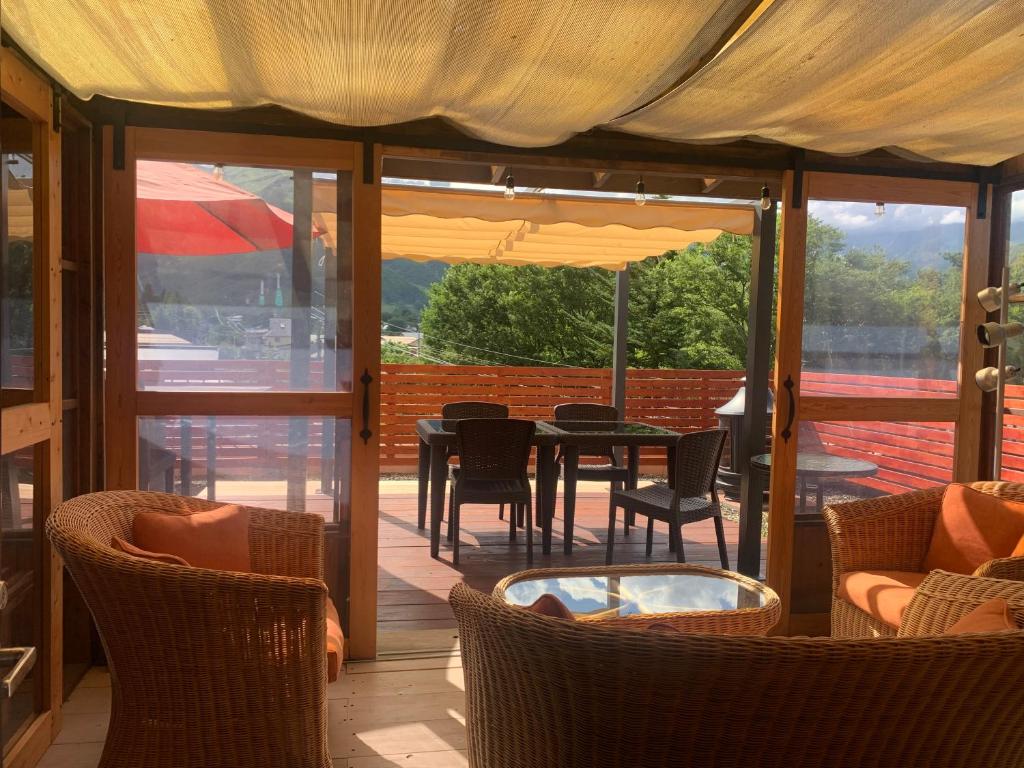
448	425
609	428
597	596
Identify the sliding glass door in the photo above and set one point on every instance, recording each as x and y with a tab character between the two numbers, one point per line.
243	347
875	360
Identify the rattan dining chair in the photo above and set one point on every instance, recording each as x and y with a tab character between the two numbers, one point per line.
608	469
691	499
494	455
470	409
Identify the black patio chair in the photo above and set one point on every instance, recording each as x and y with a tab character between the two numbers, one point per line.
493	458
693	497
609	469
470	409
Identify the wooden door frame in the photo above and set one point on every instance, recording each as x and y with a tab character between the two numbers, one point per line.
124	403
39	422
964	409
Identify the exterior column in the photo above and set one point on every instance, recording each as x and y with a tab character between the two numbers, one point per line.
755	418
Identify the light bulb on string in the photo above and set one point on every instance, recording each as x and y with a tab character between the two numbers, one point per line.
510	187
218	171
766	198
879	209
641	192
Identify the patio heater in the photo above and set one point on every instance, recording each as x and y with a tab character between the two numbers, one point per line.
730	417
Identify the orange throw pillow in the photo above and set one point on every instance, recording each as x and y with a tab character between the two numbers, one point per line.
991	616
1018	551
549	605
973	528
335	642
130	549
217	539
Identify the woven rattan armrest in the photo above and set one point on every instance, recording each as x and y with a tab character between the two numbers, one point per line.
1008	568
888	533
286	543
944	598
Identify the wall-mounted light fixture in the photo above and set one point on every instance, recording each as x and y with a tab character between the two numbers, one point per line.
641	192
766	198
994	378
510	187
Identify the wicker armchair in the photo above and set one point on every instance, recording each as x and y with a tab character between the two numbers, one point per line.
605	697
208	668
892	533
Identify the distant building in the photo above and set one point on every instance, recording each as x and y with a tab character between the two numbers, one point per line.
161	345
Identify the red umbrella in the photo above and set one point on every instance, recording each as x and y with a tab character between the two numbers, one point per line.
183	211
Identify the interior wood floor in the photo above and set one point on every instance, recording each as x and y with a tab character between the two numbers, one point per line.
407	713
413	612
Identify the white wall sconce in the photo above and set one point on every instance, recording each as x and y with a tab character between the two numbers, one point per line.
994	379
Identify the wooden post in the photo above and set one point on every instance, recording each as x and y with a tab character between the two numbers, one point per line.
786	422
755	416
967	452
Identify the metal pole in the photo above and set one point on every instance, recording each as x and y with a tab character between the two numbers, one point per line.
755	412
619	344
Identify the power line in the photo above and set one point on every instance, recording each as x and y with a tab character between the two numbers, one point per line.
470	346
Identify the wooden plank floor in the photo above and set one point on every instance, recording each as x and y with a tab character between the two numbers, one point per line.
407	713
413	612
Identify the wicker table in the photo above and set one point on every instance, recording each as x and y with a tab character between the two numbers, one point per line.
436	437
692	598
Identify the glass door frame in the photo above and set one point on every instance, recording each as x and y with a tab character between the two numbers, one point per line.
38	421
125	403
964	409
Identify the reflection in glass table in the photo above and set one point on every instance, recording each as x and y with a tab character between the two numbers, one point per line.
691	598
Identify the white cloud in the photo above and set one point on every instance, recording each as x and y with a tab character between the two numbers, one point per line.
955	215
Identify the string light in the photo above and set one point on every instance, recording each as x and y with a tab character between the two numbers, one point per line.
766	198
879	209
641	192
510	187
218	171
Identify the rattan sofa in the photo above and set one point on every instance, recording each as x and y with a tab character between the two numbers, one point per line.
549	693
892	533
208	668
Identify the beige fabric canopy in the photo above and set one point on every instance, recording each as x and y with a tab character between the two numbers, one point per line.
484	228
933	77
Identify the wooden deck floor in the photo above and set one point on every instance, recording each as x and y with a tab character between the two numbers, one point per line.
413	612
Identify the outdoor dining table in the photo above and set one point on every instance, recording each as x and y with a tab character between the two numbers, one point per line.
437	436
812	469
603	436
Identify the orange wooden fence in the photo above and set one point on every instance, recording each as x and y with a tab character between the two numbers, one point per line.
909	455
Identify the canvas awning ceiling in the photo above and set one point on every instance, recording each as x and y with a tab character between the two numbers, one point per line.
484	228
936	78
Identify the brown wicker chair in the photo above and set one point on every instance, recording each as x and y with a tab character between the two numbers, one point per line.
892	533
471	409
208	668
494	455
693	497
543	692
608	469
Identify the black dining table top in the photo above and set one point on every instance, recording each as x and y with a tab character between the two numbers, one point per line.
614	433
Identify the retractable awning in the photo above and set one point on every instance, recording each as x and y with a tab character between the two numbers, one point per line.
464	226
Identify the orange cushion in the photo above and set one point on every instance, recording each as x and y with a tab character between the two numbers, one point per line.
335	642
1018	551
549	605
973	528
130	549
217	539
991	616
882	594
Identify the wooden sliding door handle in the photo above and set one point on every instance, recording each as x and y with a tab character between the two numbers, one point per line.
787	431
